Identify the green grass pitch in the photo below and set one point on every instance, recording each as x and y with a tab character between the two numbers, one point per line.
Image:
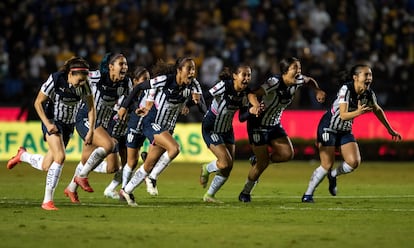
374	208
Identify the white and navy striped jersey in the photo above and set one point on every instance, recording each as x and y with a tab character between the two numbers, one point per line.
170	98
65	99
348	95
226	101
277	98
106	94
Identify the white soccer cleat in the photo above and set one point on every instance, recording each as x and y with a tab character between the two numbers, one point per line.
211	199
151	186
129	198
111	194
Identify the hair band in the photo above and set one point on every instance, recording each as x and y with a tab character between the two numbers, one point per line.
79	69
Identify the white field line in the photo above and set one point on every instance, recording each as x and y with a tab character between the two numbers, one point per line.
304	207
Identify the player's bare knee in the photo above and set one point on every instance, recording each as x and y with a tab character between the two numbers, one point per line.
354	163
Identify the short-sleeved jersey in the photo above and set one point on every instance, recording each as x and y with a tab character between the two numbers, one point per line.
65	99
106	94
169	99
226	101
277	98
348	95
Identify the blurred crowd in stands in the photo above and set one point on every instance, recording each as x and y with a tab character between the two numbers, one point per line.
37	36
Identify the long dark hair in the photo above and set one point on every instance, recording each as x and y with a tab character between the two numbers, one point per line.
164	68
346	76
285	63
139	70
227	72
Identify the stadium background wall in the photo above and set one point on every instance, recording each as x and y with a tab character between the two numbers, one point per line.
373	138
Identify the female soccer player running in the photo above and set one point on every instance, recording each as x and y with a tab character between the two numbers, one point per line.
265	130
170	91
108	84
354	98
57	104
229	95
132	137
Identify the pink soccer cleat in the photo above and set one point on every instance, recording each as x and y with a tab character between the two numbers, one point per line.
49	206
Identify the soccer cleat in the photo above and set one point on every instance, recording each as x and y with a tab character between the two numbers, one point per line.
243	197
111	194
73	196
49	206
307	198
204	175
83	183
16	159
332	184
253	160
129	198
210	198
121	197
151	186
144	156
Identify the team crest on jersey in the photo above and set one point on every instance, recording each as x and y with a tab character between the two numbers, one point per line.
186	92
120	91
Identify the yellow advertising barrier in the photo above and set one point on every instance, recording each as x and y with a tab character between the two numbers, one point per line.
29	134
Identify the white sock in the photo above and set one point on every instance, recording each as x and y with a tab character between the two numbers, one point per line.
216	184
344	168
96	157
161	164
35	160
316	178
52	179
126	175
249	186
112	186
136	180
212	166
102	167
72	185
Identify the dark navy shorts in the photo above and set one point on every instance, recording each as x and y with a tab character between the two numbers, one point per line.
264	135
66	130
150	128
211	137
329	137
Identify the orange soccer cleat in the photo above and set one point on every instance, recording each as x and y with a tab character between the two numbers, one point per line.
16	159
